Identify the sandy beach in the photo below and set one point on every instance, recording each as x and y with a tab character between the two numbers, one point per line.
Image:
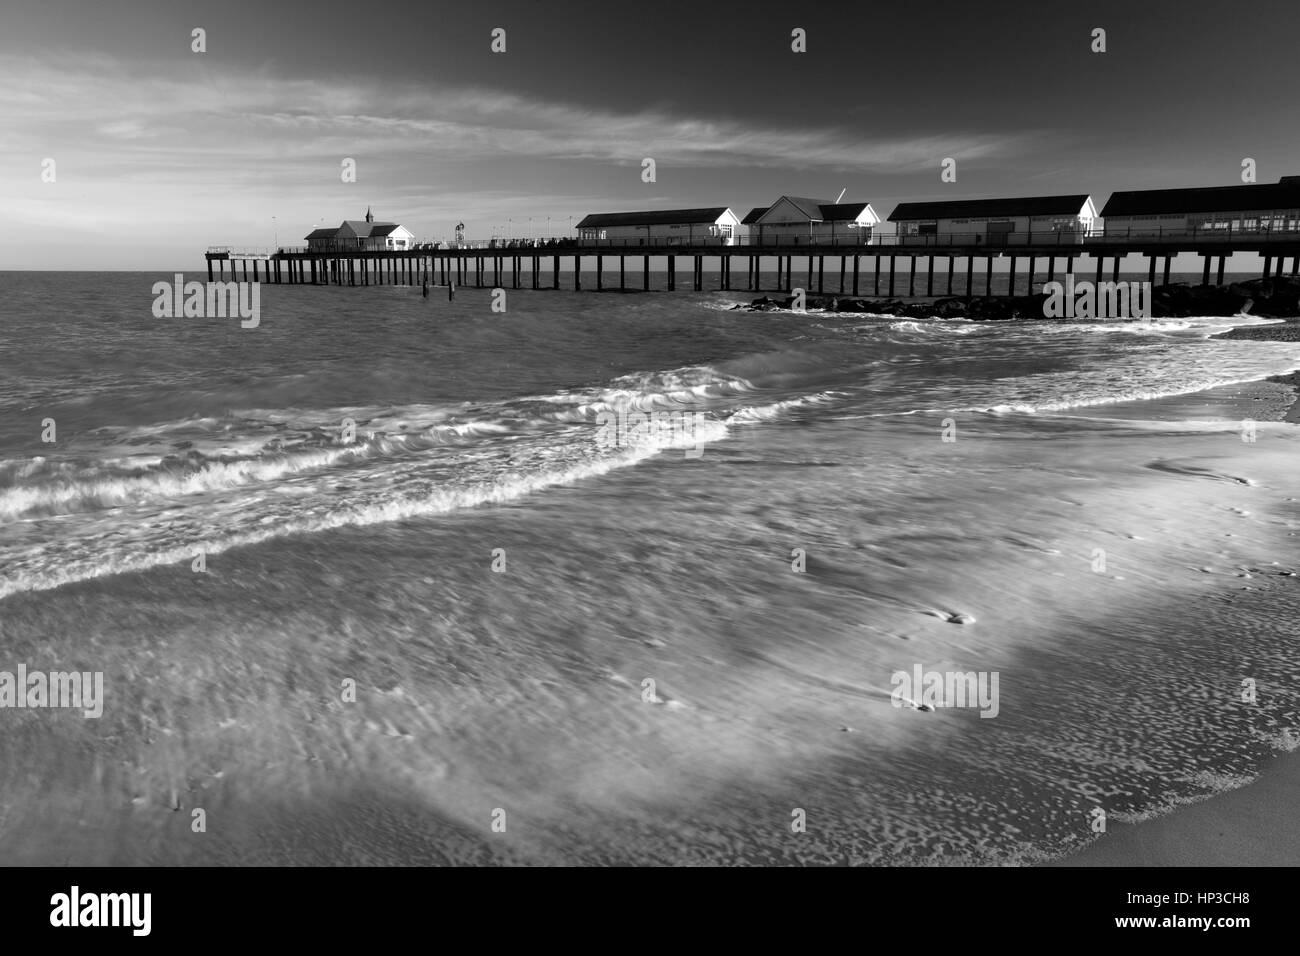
1254	825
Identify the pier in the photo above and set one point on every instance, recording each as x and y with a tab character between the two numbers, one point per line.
868	266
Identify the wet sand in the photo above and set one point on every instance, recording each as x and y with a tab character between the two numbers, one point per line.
1254	825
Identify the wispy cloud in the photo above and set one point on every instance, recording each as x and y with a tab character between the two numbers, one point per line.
187	151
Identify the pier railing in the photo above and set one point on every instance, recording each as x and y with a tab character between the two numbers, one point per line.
1064	240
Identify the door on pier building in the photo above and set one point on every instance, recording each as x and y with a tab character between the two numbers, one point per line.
999	231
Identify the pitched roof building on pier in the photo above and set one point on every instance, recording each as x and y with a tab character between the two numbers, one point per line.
667	226
1252	207
800	219
994	220
360	235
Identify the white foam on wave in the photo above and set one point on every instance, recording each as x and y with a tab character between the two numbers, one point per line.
437	502
765	413
109	490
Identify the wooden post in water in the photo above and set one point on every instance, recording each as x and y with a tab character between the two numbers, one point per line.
1011	278
970	277
1051	268
1222	261
1168	262
622	269
1101	264
891	277
1205	273
577	273
1151	271
950	262
929	275
672	273
857	262
1114	275
988	277
841	274
1030	290
600	272
1268	267
911	276
645	272
876	288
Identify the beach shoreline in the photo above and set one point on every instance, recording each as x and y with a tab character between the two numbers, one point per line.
1250	825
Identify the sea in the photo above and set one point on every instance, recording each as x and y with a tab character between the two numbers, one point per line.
565	578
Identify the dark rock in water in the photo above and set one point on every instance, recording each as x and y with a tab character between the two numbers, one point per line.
1282	332
1276	297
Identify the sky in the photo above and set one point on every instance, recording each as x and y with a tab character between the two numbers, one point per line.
160	151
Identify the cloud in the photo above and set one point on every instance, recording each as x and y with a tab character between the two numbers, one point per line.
259	117
189	153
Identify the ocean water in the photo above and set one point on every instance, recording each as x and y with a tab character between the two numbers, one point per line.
500	582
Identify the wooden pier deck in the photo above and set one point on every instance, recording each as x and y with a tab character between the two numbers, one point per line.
871	265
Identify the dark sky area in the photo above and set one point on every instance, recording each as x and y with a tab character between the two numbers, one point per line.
174	150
